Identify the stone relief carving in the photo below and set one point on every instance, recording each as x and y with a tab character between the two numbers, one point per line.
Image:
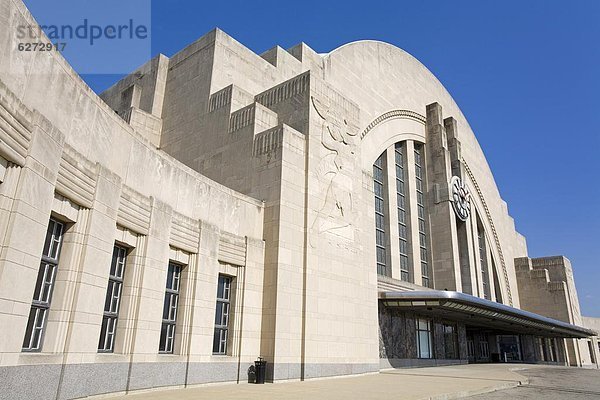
334	172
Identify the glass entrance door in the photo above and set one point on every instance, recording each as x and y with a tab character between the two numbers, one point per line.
509	348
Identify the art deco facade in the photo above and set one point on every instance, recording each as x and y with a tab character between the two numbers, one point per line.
332	213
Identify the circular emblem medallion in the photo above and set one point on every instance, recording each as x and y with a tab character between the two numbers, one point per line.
461	198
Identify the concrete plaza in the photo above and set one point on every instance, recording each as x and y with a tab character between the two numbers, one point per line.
552	384
421	383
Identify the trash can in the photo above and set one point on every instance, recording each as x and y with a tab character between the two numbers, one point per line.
260	367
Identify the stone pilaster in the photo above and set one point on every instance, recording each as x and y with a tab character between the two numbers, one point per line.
85	267
445	253
412	224
393	258
467	236
155	260
24	222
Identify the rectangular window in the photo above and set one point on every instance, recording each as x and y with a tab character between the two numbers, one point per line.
450	341
424	342
380	236
484	346
42	295
425	273
169	317
222	315
112	302
401	196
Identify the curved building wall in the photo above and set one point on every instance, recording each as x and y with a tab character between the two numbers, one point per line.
384	79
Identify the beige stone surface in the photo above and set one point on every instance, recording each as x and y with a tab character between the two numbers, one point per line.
421	383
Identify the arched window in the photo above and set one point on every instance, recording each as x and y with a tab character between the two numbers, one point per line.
402	164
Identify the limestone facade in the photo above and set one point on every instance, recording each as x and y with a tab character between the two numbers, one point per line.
249	181
547	287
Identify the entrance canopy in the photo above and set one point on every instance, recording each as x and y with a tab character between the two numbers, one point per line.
481	313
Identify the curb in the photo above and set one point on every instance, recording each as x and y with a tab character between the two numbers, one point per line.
468	393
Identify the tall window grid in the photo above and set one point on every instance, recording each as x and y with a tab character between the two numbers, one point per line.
401	201
425	275
42	295
424	340
169	318
222	315
450	341
483	262
380	240
112	303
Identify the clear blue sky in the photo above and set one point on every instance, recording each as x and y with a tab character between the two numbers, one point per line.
525	73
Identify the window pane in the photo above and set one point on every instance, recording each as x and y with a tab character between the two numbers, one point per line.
29	330
221	287
113	264
378	188
424	344
48	240
38	327
379	205
116	296
40	281
217	341
166	304
170	276
109	291
163	337
103	328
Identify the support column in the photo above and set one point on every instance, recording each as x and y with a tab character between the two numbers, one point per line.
443	232
467	235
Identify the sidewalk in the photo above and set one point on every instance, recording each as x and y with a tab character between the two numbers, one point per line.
419	383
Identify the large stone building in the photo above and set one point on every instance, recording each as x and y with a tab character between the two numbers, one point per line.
332	213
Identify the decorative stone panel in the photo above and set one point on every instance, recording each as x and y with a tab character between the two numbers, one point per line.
15	128
76	177
185	233
134	211
232	249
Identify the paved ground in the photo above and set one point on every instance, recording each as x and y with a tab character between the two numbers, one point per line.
552	384
419	383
